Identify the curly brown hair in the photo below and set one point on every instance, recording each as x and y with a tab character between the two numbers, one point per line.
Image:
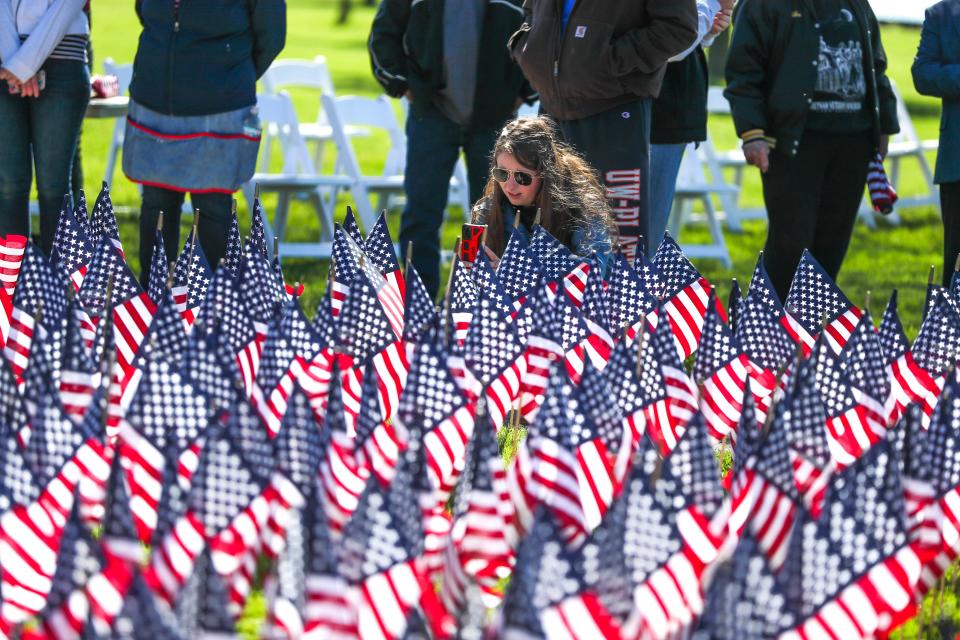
571	196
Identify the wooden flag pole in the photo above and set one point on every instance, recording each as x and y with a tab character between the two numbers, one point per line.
866	302
930	276
536	218
734	289
408	259
160	222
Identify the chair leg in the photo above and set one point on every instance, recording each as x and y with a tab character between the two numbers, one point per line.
716	233
116	144
324	215
280	215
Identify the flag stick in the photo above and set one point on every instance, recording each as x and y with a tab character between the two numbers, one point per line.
866	302
160	221
734	293
641	337
446	294
276	247
408	259
536	218
256	191
932	273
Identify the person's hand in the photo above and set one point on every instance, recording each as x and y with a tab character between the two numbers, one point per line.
757	153
494	260
721	22
13	83
884	146
727	6
30	88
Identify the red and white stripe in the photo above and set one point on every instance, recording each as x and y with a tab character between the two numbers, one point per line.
667	419
579	617
285	501
100	601
909	384
11	257
248	363
768	512
29	545
436	530
851	433
380	453
871	606
392	302
575	282
553	480
721	397
181	296
171	563
76	391
6	316
19	341
131	321
445	446
811	481
596	480
838	330
77	276
685	313
541	354
338	295
384	602
342	480
329	612
143	465
922	511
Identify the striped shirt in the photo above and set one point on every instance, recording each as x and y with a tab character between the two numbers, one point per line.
72	47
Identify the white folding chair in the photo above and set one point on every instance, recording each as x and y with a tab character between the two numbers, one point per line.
297	176
692	186
313	74
124	73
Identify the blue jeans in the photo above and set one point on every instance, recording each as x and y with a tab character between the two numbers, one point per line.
50	126
433	146
665	160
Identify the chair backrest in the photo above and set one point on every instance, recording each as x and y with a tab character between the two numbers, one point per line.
908	133
716	102
372	113
124	73
296	73
277	114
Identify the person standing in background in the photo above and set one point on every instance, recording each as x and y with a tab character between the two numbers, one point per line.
936	72
43	53
193	125
454	68
680	115
812	103
598	64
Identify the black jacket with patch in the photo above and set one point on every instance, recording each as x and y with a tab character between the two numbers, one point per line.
772	71
406	52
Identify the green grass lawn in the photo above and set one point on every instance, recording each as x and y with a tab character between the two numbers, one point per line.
878	261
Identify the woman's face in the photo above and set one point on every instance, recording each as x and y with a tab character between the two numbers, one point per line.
519	195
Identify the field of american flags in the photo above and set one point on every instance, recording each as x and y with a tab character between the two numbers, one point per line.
195	451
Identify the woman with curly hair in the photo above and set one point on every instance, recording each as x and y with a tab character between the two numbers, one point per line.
531	171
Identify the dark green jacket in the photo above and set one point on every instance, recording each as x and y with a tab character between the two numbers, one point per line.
205	56
772	71
406	52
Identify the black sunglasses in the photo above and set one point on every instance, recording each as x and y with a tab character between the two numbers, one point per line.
523	178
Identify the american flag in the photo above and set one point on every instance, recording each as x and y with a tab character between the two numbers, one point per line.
191	278
684	297
937	347
631	302
625	382
863	362
434	408
489	284
721	370
650	275
201	606
669	396
256	242
233	257
378	442
595	311
260	289
814	303
11	254
379	553
159	269
351	227
494	359
764	493
462	296
766	343
420	317
167	412
545	323
852	426
166	338
555	259
379	251
734	304
79	374
853	568
520	270
479	550
103	221
141	616
803	416
389	295
72	249
344	268
38	288
747	600
342	479
367	340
